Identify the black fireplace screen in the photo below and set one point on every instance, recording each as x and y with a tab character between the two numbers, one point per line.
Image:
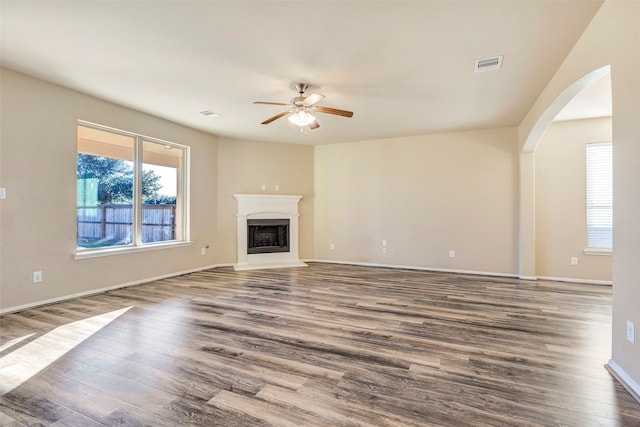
267	235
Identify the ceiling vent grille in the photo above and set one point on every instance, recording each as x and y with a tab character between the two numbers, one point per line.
488	64
209	113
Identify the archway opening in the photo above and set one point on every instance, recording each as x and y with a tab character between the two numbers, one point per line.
573	190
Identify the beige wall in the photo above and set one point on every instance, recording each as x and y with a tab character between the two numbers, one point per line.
612	38
560	174
526	217
425	195
244	166
37	166
38	158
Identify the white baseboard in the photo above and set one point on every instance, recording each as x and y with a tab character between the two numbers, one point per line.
572	280
364	264
480	273
413	267
108	288
624	379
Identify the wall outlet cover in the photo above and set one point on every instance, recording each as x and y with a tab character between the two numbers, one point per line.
631	332
37	276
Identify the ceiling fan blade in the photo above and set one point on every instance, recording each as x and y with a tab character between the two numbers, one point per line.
335	111
276	117
312	99
314	125
269	103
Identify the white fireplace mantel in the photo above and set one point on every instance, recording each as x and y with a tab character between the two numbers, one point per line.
267	206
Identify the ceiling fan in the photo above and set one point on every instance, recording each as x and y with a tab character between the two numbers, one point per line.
301	107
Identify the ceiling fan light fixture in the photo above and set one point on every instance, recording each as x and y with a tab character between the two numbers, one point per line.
301	118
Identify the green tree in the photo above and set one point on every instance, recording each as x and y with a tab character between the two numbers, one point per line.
161	200
115	179
150	186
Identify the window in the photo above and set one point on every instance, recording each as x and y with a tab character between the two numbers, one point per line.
600	195
131	190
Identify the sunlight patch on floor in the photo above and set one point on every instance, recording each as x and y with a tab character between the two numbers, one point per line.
25	362
14	341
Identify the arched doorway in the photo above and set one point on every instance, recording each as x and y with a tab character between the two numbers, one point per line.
528	247
573	190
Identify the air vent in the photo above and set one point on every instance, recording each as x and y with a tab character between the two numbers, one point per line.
209	113
488	64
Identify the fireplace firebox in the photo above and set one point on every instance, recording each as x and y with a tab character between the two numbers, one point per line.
267	236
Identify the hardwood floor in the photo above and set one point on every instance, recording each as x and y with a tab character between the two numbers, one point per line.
328	345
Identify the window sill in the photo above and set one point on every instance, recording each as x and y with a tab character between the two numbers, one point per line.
598	251
94	253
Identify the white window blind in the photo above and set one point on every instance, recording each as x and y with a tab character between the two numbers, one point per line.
600	195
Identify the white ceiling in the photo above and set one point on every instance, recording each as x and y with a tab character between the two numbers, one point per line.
403	67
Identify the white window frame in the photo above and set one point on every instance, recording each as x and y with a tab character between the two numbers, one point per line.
596	250
137	245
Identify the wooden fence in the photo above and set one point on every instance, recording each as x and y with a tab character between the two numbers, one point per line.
111	224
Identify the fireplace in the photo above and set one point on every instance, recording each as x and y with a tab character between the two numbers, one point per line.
267	231
266	236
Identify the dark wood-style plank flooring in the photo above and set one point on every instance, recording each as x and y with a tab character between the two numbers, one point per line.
328	345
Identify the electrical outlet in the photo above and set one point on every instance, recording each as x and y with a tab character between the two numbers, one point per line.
384	243
332	246
203	251
384	250
574	260
37	276
631	332
452	254
3	193
263	187
277	187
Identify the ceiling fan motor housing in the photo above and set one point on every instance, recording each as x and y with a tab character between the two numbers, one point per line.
301	87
